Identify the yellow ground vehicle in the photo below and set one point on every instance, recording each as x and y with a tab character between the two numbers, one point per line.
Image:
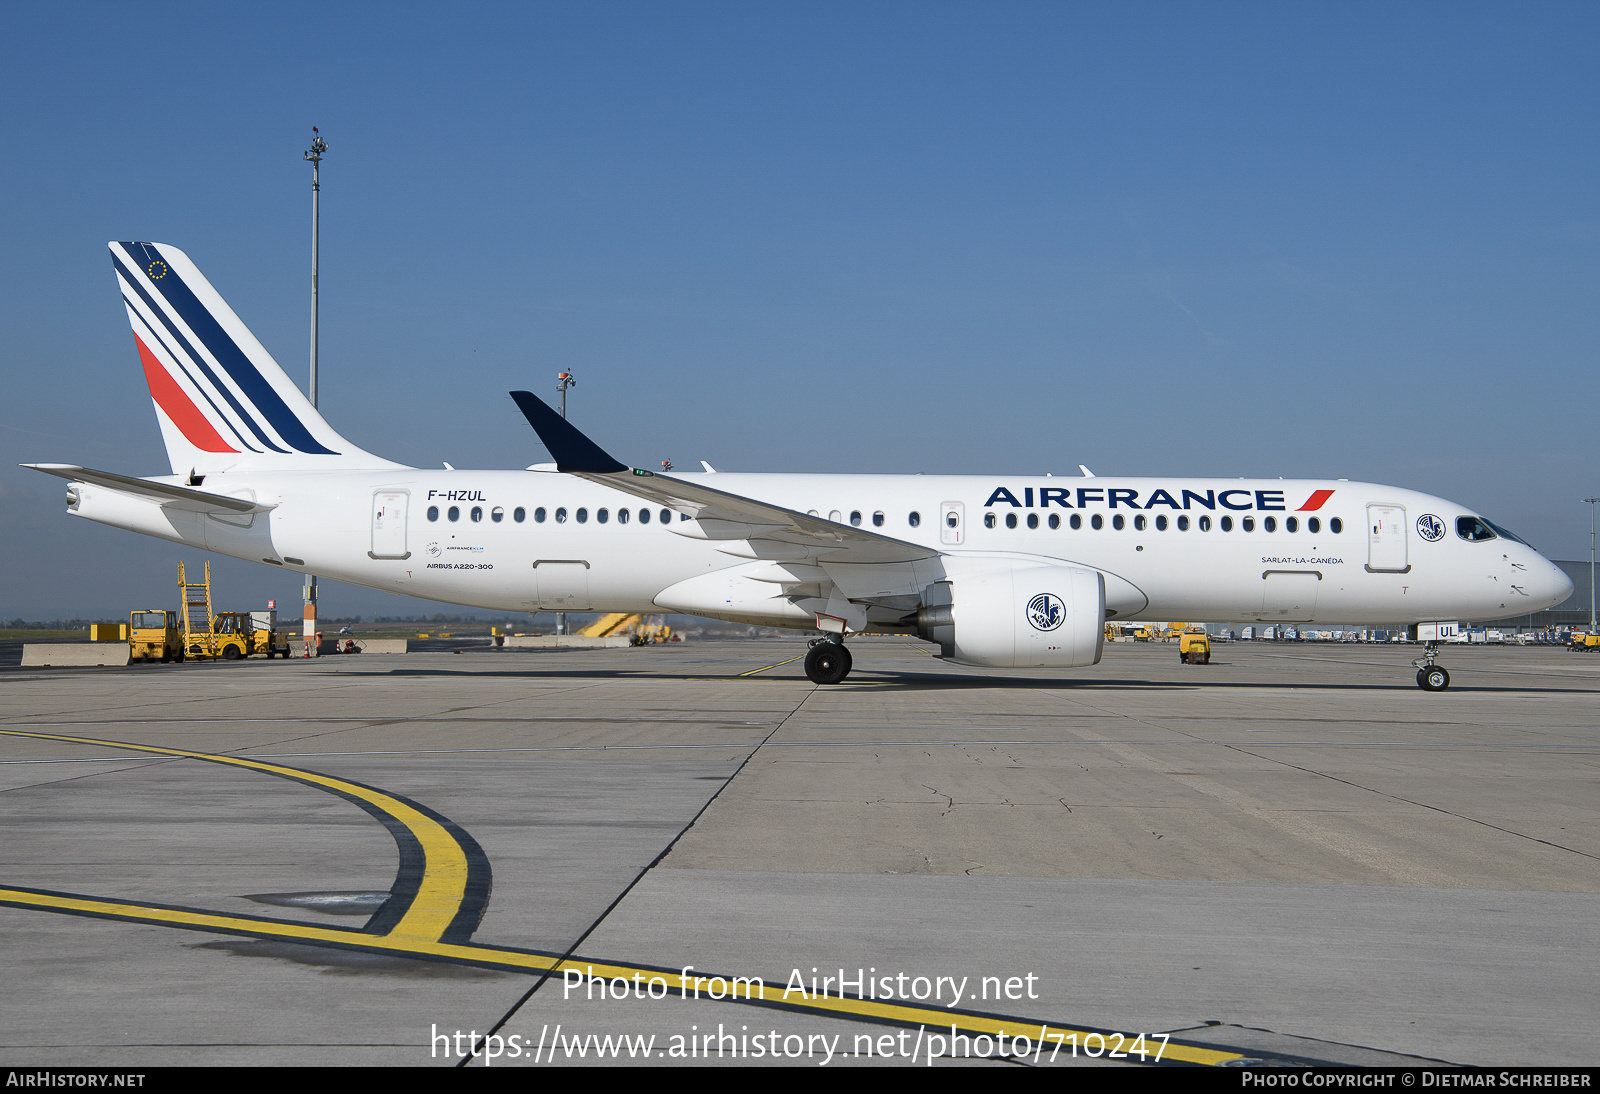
236	634
228	635
153	636
1588	643
1194	648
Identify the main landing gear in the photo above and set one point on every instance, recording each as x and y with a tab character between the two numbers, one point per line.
827	661
1431	677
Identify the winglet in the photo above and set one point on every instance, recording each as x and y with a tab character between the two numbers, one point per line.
573	451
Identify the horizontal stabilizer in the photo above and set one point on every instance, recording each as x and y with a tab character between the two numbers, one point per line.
178	497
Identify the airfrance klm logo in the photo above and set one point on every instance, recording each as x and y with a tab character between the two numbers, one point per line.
1115	497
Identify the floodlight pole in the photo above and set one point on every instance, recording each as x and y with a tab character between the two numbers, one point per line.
1591	503
564	380
314	155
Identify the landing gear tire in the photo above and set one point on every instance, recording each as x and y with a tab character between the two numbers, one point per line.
1434	679
827	663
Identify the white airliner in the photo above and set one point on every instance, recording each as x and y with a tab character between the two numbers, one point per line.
1001	571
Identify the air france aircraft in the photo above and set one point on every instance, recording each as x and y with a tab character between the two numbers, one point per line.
1000	571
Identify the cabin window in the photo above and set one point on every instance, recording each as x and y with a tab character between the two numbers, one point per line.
1116	522
1270	524
602	515
583	515
1205	523
622	516
454	513
666	516
1138	523
914	519
1161	522
519	514
1183	522
538	515
1227	524
1011	520
1055	520
644	516
561	516
855	518
497	514
1335	525
1291	524
433	512
1313	525
877	519
477	513
1076	522
1033	520
1247	523
988	520
1097	522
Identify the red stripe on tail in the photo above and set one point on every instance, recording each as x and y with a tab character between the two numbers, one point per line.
1314	502
178	406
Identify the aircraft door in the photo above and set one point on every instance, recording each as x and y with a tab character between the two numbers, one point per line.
563	584
1386	539
952	523
389	524
1289	596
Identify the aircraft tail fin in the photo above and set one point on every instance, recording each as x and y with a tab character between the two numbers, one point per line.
223	403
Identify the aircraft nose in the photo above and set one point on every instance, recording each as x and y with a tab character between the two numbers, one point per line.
1558	586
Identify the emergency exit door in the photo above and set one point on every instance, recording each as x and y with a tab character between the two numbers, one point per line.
1386	539
389	524
952	523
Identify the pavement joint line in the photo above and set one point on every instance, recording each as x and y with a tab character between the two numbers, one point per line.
1418	804
651	865
1554	749
780	664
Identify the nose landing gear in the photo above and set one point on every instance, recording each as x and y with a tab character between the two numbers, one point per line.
827	661
1431	677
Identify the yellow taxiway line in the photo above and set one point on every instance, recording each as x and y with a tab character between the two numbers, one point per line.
443	883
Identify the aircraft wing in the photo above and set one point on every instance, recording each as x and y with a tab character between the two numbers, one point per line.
771	531
175	497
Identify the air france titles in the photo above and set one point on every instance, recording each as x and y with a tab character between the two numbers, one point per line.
1113	497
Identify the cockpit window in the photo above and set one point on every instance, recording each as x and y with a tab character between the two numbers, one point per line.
1473	530
1507	535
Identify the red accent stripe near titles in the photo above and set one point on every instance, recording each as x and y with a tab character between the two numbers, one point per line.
178	406
1314	502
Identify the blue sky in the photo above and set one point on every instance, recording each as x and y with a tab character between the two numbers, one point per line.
1351	240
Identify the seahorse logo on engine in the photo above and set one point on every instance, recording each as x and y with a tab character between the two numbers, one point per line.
1046	612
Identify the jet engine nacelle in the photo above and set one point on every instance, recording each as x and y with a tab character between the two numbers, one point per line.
1029	617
